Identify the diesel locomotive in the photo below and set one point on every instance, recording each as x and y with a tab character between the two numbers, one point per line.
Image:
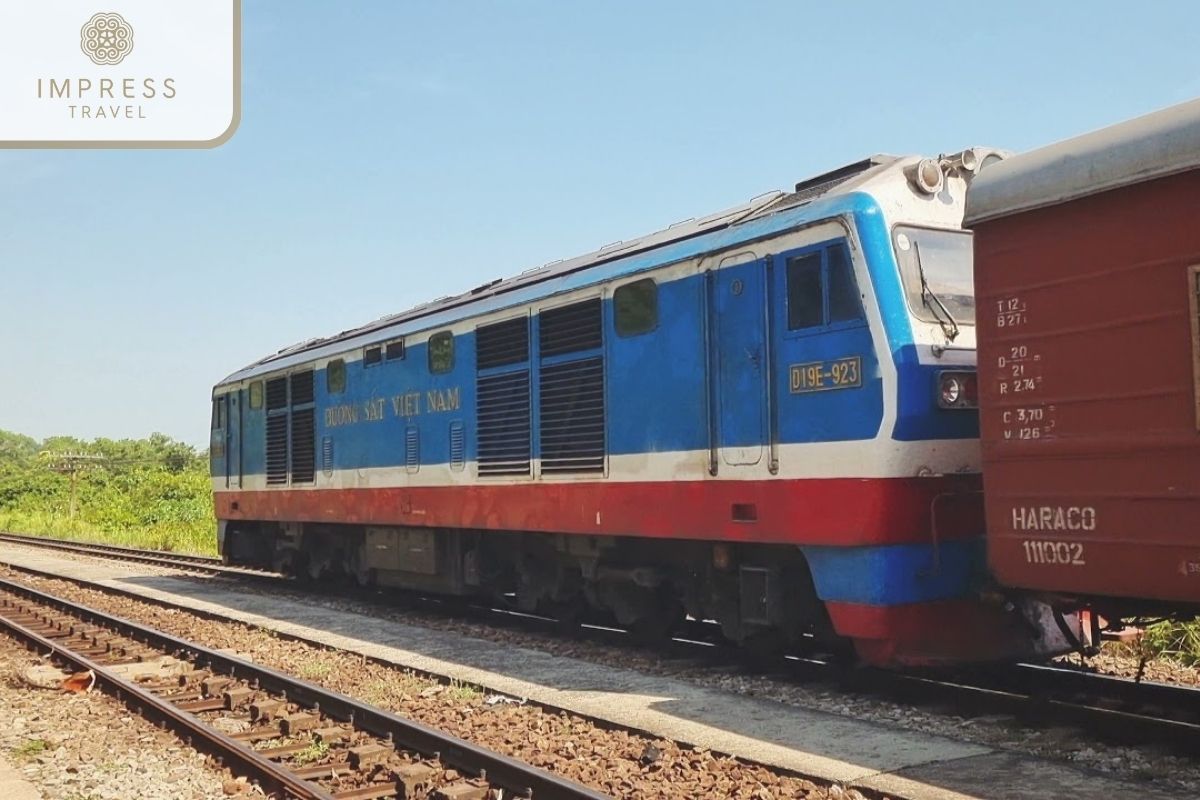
763	417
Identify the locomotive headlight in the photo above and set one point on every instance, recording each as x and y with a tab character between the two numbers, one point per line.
957	390
926	176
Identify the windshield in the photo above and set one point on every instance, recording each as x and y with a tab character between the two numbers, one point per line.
949	271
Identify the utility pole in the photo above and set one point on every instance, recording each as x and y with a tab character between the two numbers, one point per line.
71	463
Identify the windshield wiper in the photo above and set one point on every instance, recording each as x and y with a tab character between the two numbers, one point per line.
944	319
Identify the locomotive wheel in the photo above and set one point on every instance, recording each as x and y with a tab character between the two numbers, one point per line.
762	649
568	614
657	626
292	564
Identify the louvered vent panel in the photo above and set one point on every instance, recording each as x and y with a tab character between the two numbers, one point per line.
276	393
503	343
304	445
277	455
412	448
502	412
302	388
572	416
458	446
327	455
569	329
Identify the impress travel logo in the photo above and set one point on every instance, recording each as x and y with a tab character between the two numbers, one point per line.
106	38
78	77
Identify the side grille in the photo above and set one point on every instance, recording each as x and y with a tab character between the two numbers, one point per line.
572	416
302	388
458	446
277	455
502	413
327	456
569	329
412	448
502	343
304	445
276	393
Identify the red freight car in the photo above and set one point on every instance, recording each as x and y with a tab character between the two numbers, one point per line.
1087	269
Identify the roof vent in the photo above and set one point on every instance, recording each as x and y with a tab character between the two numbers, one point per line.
820	184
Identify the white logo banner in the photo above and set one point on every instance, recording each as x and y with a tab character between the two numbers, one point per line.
120	73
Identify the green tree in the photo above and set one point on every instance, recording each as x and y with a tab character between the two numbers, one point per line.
17	448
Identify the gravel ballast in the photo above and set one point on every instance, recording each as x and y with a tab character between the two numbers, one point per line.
76	746
616	762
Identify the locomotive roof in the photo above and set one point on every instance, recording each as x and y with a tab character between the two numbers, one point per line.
484	298
1141	149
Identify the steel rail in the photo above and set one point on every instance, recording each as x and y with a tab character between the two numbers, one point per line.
469	758
232	753
187	561
1047	703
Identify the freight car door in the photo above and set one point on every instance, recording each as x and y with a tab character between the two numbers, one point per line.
739	312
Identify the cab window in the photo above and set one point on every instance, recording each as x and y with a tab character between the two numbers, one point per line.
821	289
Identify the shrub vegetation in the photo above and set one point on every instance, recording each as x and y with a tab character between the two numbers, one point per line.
151	492
1174	641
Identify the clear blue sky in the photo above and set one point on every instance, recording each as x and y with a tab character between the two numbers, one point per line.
395	151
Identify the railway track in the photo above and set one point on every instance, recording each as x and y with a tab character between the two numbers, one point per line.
1107	707
206	565
294	738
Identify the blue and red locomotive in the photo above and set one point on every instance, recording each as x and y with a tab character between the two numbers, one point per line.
763	417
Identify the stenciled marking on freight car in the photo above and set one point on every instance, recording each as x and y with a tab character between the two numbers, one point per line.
1020	373
1029	422
820	376
1054	518
1044	552
1011	312
1189	569
403	406
1020	370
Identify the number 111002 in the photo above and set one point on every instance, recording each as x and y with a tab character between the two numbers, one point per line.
1043	552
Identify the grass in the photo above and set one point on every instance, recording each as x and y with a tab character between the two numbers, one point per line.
385	692
315	670
171	536
463	691
376	693
30	748
1173	641
314	752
